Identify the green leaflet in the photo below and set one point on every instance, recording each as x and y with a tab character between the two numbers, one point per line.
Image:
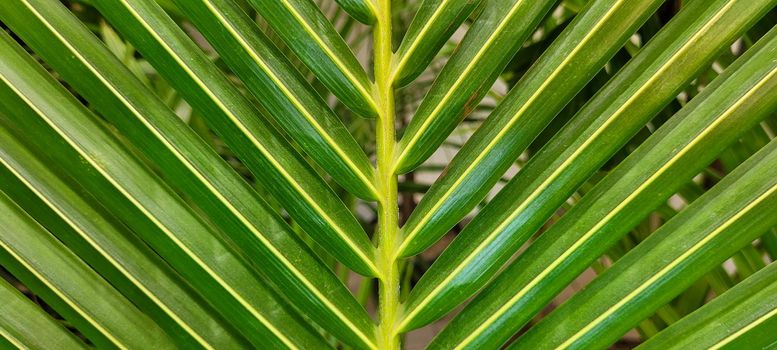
309	33
594	134
73	289
432	27
113	251
484	52
666	263
266	153
78	144
581	51
741	317
362	10
183	155
735	102
259	145
235	207
261	233
283	93
24	325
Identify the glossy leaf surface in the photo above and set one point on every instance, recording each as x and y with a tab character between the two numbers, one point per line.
36	105
669	261
301	23
432	27
580	52
70	286
283	92
646	178
490	43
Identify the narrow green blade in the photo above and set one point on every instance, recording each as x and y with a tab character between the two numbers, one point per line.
569	159
251	223
283	92
69	286
36	105
24	325
432	27
306	30
682	147
308	199
112	250
362	10
580	51
667	262
744	316
490	43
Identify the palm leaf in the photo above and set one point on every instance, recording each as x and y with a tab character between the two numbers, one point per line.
283	92
595	133
261	146
35	105
259	173
688	246
70	286
683	146
581	51
740	317
299	23
488	46
432	26
25	325
117	254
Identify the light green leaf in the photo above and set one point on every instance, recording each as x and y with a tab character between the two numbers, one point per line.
432	26
36	105
581	51
490	43
726	218
113	251
69	286
24	325
734	103
741	317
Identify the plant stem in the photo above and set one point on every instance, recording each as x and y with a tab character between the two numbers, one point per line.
388	209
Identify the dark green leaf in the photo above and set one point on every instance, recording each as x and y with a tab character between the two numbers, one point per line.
35	105
112	250
580	52
722	221
490	43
